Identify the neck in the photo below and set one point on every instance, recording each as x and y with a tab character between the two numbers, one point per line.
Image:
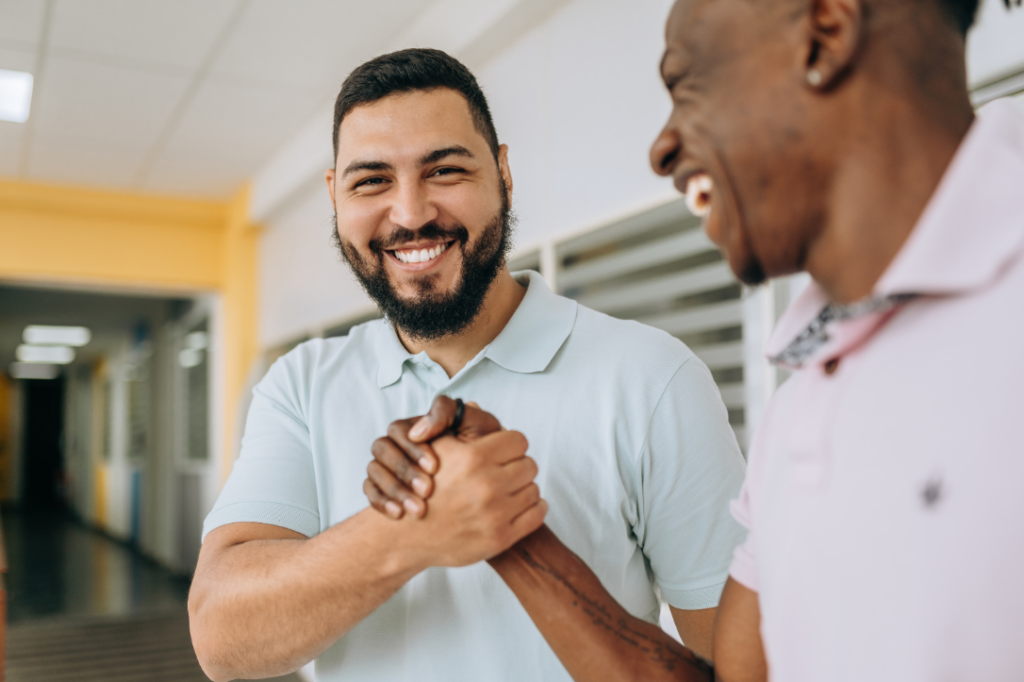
453	352
891	165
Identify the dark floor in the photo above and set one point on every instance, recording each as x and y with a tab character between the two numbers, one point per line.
83	607
59	567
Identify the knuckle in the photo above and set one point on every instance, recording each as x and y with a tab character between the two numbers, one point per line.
380	446
394	490
398	428
443	406
404	469
516	440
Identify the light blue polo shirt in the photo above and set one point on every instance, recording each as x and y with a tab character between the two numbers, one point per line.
637	462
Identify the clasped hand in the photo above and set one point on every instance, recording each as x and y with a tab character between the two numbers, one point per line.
473	489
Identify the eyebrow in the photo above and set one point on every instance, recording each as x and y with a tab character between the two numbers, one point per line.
426	159
438	154
366	166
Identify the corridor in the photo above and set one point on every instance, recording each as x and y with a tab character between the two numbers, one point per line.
86	608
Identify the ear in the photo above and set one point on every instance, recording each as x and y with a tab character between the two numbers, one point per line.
835	32
506	172
329	176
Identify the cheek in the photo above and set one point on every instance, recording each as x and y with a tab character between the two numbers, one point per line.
359	221
471	206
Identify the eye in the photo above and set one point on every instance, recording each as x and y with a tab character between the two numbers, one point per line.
369	182
447	170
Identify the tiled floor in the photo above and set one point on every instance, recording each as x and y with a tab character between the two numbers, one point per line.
83	607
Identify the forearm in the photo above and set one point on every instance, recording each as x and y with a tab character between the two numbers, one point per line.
266	607
594	637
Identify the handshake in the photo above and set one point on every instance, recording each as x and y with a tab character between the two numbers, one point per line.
471	487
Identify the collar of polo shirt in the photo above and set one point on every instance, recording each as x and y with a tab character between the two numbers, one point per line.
527	344
964	239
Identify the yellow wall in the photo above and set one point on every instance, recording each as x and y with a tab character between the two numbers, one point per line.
53	234
70	234
241	243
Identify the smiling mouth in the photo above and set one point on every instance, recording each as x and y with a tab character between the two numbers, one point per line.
699	190
421	255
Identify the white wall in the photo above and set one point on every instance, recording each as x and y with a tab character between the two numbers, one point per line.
579	101
303	284
995	45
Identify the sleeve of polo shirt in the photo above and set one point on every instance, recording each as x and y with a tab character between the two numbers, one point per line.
688	471
273	479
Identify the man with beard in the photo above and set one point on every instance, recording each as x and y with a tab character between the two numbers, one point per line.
882	500
295	566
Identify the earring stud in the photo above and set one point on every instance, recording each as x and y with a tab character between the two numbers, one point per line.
814	77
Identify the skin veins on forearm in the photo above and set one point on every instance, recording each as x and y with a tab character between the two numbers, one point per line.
594	637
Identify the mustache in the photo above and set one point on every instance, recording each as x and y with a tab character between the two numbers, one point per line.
433	231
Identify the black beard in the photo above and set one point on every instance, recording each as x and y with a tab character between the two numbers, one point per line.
432	315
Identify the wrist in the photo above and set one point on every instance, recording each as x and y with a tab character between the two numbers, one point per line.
534	552
393	547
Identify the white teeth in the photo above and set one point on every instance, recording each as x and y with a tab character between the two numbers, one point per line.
420	255
699	189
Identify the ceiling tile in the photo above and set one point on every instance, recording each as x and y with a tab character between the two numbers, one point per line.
314	43
74	165
176	33
244	123
17	60
10	148
123	107
213	178
21	22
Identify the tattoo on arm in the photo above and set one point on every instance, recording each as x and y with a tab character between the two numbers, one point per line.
667	653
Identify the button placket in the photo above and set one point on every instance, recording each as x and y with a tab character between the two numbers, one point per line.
812	423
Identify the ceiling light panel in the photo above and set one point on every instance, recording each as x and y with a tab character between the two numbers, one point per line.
45	335
15	95
57	355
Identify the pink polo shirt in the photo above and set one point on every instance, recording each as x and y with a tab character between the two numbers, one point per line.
884	496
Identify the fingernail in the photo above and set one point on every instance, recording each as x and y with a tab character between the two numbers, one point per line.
420	486
393	509
411	506
419	428
428	464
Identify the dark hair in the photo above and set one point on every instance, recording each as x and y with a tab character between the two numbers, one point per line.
963	12
409	70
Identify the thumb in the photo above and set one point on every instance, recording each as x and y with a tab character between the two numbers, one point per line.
434	423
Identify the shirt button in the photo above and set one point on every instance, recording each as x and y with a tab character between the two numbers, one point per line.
831	366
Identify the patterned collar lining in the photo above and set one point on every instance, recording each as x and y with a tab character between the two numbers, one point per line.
814	336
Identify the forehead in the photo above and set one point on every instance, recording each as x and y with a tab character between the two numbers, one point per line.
709	32
409	121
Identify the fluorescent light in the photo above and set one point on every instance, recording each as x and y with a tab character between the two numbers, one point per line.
190	357
58	355
197	340
33	370
38	334
15	95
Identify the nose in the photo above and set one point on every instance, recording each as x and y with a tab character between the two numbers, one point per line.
412	208
665	151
